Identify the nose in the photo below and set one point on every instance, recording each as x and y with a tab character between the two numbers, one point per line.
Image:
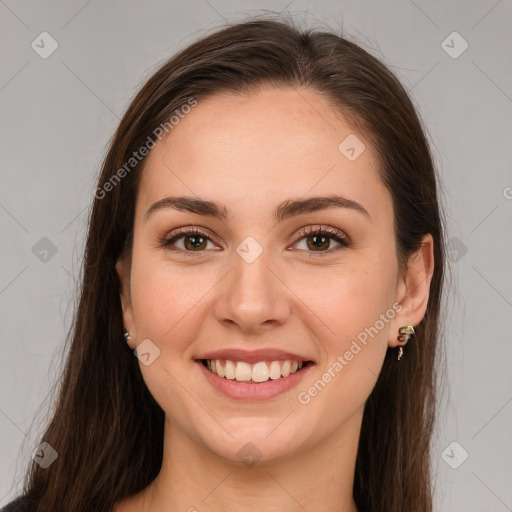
253	297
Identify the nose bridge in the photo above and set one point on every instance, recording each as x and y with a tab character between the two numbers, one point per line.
252	296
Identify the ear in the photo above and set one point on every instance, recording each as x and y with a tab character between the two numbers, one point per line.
123	271
413	289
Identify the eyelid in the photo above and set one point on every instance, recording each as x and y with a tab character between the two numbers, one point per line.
339	236
167	241
312	229
187	230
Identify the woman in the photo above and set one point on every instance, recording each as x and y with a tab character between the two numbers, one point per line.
266	239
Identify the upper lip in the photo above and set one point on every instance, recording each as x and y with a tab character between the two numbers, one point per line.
253	356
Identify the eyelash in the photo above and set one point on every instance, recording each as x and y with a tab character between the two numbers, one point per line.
332	233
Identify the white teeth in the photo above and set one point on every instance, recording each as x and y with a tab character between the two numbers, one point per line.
230	370
259	372
275	370
243	371
286	368
220	370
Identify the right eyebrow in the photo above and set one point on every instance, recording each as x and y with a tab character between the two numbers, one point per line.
189	204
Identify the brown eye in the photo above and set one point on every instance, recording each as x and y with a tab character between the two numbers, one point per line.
320	240
187	241
193	242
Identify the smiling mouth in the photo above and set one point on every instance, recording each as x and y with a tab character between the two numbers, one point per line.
257	373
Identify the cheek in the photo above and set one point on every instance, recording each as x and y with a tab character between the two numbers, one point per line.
166	302
346	299
356	306
168	307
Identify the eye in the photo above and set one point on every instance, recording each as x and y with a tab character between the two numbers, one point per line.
187	241
318	240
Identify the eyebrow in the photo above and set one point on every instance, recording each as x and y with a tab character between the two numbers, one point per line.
285	210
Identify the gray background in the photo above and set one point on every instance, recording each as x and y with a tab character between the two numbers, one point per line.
58	114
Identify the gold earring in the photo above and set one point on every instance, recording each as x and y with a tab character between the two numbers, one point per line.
404	334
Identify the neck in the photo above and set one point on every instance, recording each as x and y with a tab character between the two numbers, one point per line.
194	479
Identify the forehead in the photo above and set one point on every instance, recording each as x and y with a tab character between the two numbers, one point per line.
262	147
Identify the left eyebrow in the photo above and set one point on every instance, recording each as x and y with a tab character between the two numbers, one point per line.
285	210
313	204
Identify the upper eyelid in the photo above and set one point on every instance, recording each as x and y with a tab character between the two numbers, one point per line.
321	227
300	233
187	230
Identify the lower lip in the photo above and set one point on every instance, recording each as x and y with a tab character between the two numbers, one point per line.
254	391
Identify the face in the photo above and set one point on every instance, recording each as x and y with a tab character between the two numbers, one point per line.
319	281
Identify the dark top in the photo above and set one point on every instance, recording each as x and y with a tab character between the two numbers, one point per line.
20	504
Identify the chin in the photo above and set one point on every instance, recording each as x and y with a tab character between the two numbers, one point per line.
252	445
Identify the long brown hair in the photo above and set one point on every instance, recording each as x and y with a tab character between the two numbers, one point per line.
106	427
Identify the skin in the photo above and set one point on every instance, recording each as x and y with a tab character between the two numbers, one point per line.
250	154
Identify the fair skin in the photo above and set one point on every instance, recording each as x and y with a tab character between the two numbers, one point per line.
250	154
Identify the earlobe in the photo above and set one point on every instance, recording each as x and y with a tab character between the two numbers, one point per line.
413	289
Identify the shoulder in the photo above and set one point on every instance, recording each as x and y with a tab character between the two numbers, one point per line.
20	504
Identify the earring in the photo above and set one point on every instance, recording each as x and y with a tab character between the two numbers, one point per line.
404	334
127	336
